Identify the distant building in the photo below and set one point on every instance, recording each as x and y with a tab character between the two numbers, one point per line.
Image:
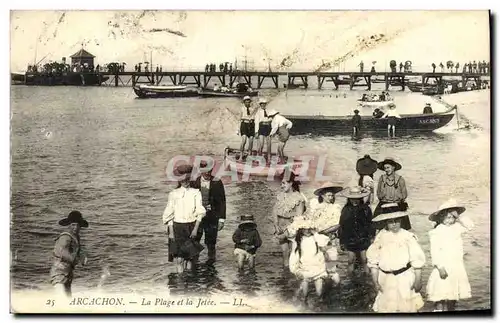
81	57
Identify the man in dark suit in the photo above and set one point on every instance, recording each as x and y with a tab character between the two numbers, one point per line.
214	201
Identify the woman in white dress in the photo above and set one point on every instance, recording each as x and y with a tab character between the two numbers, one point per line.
448	281
396	259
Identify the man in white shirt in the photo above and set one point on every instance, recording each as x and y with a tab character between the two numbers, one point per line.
393	117
280	126
247	125
214	201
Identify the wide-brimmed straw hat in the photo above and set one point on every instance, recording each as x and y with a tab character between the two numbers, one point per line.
355	192
246	218
366	165
391	161
262	100
449	205
183	170
247	98
328	186
331	229
390	211
303	223
74	217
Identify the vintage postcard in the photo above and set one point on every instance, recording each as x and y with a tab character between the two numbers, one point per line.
250	161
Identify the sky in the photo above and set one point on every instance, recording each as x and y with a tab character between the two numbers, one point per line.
284	40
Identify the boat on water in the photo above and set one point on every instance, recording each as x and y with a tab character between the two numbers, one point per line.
164	91
64	78
210	93
374	104
257	166
342	125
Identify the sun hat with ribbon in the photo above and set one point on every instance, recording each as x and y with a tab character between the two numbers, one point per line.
355	192
390	211
450	205
328	186
391	161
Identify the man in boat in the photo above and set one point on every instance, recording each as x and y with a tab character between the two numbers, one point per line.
280	126
356	122
427	108
214	201
67	253
247	126
393	117
263	128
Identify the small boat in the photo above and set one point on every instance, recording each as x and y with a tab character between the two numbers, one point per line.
258	166
164	91
210	93
374	104
342	125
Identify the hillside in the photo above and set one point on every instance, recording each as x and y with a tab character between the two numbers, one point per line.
294	40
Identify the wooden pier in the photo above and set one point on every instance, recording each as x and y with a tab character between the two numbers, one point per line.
294	79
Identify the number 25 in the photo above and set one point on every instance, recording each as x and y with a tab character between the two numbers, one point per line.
50	302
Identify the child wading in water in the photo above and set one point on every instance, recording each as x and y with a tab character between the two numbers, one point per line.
396	260
247	241
448	282
307	260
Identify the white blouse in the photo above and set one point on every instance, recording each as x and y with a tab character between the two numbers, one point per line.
392	251
184	206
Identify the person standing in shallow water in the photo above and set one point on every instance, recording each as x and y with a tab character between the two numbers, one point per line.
214	201
247	126
290	203
182	218
67	253
356	123
356	230
247	240
396	260
392	189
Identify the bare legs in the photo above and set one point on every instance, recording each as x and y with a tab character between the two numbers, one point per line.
281	151
285	247
261	145
445	305
243	143
249	260
351	258
304	288
393	128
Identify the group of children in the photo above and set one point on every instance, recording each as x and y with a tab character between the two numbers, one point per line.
393	256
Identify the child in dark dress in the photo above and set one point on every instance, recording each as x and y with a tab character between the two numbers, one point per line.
356	122
356	230
247	241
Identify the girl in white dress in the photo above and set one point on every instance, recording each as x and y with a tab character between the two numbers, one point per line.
396	259
307	259
448	281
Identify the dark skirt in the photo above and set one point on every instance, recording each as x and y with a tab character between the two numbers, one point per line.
392	121
183	246
247	128
405	221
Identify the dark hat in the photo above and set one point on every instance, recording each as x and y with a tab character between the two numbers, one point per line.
356	111
74	217
245	218
328	186
390	211
391	161
366	165
183	170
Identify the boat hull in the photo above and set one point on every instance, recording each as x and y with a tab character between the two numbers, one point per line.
257	166
144	92
329	126
218	94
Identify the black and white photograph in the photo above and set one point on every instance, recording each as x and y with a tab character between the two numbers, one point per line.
250	161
